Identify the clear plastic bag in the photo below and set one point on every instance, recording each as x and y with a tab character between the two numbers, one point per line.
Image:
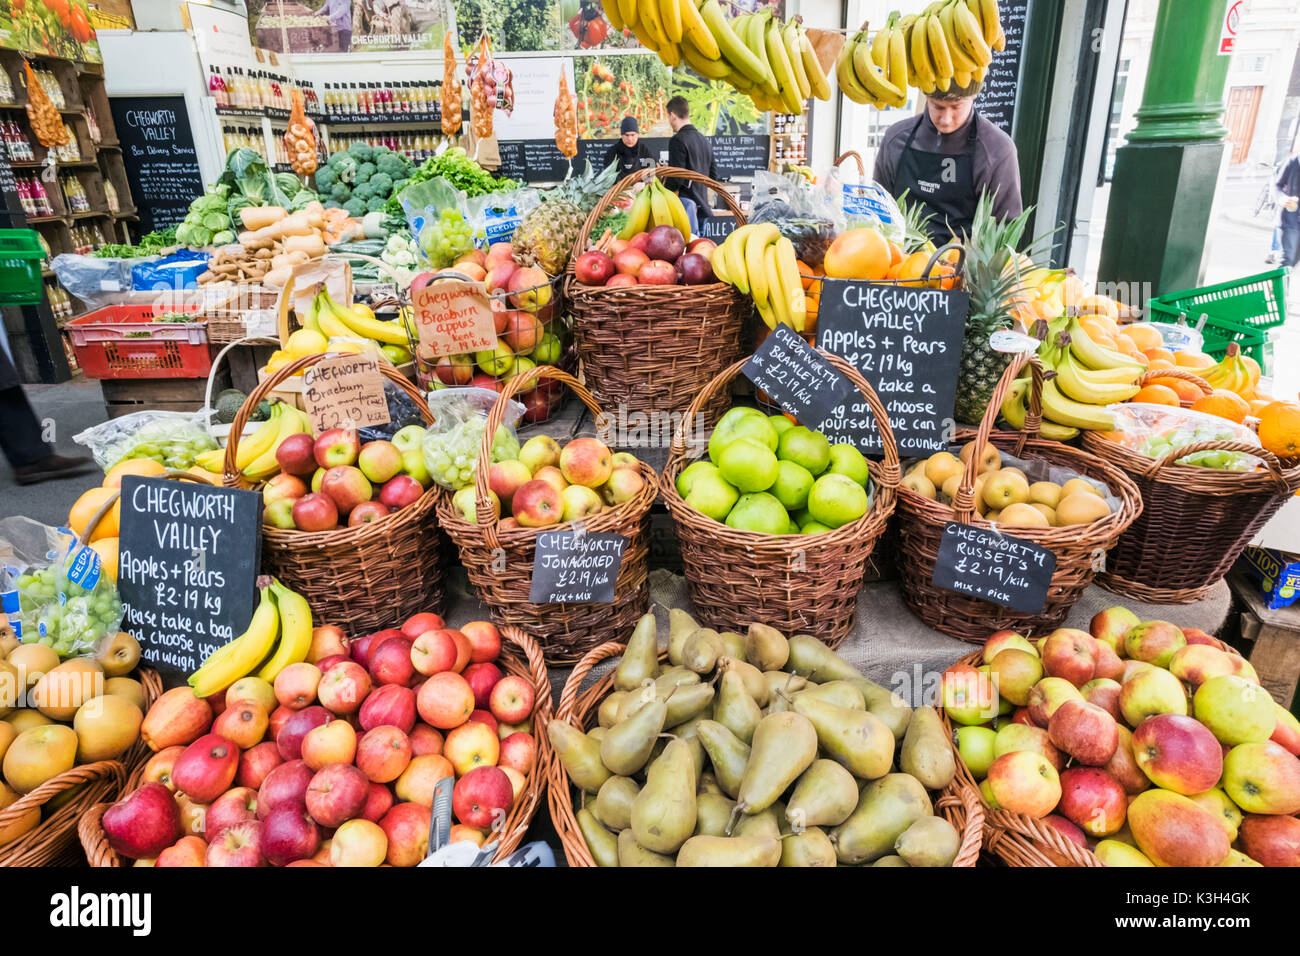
801	211
438	217
1156	430
172	439
451	443
495	216
863	202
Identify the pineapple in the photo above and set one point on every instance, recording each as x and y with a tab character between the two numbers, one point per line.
546	235
915	218
993	277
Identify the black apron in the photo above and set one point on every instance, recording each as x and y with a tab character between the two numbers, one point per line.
943	182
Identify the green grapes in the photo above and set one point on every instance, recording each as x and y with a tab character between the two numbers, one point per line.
452	456
446	239
63	615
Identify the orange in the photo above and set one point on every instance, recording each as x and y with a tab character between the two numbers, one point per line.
1279	429
1124	345
84	508
895	253
1159	363
1099	305
1157	395
895	271
805	273
860	253
1095	329
1186	391
1255	370
133	466
1072	291
810	303
1224	404
1144	337
1159	353
913	267
106	548
1192	360
1257	405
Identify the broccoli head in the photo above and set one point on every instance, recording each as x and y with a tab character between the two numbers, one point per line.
345	168
399	185
361	152
375	203
355	207
326	177
333	204
362	191
365	171
392	164
340	192
381	184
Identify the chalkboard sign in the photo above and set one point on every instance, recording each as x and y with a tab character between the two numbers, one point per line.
533	161
738	156
162	165
996	567
717	227
576	567
796	378
188	558
907	343
997	101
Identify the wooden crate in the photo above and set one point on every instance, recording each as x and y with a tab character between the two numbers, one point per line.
1270	639
123	396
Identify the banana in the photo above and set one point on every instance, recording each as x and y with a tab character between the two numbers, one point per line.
295	631
1076	386
778	300
873	79
938	45
990	19
365	326
1093	355
670	15
612	14
791	282
733	250
921	65
627	12
309	318
880	47
695	29
211	460
642	33
638	216
765	313
648	14
782	71
262	440
330	324
1066	411
970	36
733	49
846	75
670	53
234	660
677	212
817	79
659	214
755	36
755	245
1014	411
719	264
1000	41
898	72
961	61
790	40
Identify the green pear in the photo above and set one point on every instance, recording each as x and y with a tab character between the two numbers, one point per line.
780	682
930	841
597	733
784	746
602	844
708	784
927	751
728	754
838	692
885	809
614	802
766	647
702	650
674	677
853	738
752	677
734	708
607	715
712	814
579	755
765	824
640	660
885	704
627	744
687	702
733	645
631	853
811	658
730	851
680	626
824	795
892	860
663	813
812	847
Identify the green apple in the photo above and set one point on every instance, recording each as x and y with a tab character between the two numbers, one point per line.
547	351
835	500
793	528
396	354
781	424
409	437
465	502
975	744
813	527
759	512
793	482
805	447
730	427
691	472
1235	710
413	464
711	495
848	461
497	361
748	464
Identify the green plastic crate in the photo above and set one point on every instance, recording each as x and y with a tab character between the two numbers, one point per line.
1240	311
20	267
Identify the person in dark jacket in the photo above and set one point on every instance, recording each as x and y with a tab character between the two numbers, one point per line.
32	458
629	151
946	158
689	149
1288	187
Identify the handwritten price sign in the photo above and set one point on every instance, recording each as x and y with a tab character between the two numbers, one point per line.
576	567
796	378
985	563
345	392
453	317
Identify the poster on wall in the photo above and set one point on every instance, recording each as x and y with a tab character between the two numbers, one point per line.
49	28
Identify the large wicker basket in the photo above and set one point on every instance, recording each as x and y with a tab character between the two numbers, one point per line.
579	707
653	347
519	656
499	561
1195	521
796	583
363	578
1079	550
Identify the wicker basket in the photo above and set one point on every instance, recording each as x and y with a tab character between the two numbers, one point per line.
647	347
1078	549
1015	839
364	578
519	656
578	706
1195	521
499	561
226	321
797	583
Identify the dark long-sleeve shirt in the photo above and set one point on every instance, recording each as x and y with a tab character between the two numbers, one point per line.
996	166
630	158
1289	185
689	149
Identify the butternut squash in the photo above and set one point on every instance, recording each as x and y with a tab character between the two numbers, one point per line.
313	245
259	217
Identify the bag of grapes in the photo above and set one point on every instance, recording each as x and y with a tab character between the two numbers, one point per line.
173	439
438	218
451	443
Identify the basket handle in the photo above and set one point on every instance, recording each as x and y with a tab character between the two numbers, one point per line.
631	179
482	504
573	684
862	168
111	500
890	473
963	502
76	777
1268	458
232	478
1181	374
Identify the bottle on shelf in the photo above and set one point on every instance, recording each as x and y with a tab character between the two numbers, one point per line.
110	196
6	89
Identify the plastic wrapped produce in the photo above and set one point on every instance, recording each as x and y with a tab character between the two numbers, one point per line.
1156	430
173	439
451	444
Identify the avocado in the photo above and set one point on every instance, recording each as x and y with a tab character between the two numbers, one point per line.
227	405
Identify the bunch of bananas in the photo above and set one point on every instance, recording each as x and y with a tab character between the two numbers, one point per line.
1231	373
281	614
950	43
771	61
255	457
761	263
656	206
331	319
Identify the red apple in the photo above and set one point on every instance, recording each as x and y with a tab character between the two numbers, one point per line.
498	277
187	851
482	679
593	267
484	717
256	762
1066	828
337	793
1024	782
367	512
1093	799
1271	840
518	751
523	331
143	823
279	717
363	646
445	700
435	651
378	803
702	247
1123	765
178	717
284	785
379	460
289	834
482	798
315	512
388	704
334	660
337	446
1109	664
347	487
233	806
207	768
1154	642
390	662
289	739
283	488
665	242
400	491
1103	692
407	827
1084	731
629	261
511	699
243	724
332	742
425	740
1178	753
484	639
238	845
1070	654
656	272
417	624
537	504
454	370
1047	695
507	477
343	688
296	454
529	289
1110	626
295	686
383	754
471	745
523	727
621	279
420	778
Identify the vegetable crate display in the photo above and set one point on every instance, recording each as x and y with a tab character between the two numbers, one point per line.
651	346
20	267
1240	311
128	341
366	577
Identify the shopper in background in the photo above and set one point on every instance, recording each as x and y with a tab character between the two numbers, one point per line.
689	149
31	458
1288	185
340	17
630	153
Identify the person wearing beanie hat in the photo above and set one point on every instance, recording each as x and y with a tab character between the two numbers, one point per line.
946	158
629	152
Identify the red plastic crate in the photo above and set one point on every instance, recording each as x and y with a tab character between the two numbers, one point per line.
123	341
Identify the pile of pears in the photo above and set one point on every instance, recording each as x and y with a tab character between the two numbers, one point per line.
755	750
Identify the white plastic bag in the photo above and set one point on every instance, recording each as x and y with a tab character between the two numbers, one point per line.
451	443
